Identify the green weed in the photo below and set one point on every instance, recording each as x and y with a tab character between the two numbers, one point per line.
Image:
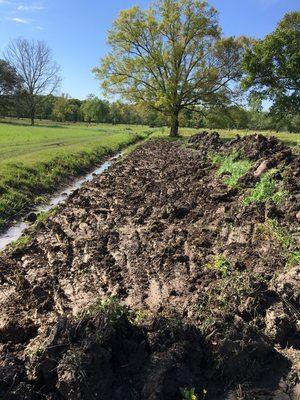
139	316
280	233
272	228
111	308
217	301
266	189
43	216
20	243
293	258
232	166
222	265
19	281
190	394
73	363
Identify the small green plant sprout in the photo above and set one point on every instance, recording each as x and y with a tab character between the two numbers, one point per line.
272	228
266	189
20	243
188	394
43	216
73	362
294	258
137	317
280	233
110	307
233	166
222	265
20	282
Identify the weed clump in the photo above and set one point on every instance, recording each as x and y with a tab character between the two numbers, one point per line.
272	228
217	302
233	166
294	258
222	265
190	394
111	308
266	189
20	243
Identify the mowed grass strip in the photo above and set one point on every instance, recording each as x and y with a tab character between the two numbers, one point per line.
35	161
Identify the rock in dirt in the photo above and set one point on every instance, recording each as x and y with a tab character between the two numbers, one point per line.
31	217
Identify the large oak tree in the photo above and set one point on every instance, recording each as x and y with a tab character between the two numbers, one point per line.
171	57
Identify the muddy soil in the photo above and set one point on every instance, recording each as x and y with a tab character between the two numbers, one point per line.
156	277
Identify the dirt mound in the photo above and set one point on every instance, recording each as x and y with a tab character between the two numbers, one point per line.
256	147
161	276
206	142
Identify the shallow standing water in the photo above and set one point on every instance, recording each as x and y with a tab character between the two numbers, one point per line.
16	230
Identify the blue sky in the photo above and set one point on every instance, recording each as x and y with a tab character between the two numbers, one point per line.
76	29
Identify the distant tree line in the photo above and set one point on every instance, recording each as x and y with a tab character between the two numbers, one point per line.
95	110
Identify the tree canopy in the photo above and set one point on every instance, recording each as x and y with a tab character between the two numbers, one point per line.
272	66
10	84
171	57
9	79
95	110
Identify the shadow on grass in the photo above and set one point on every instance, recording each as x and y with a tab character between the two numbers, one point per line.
21	123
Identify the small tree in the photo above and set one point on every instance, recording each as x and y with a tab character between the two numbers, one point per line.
272	66
33	62
170	57
61	108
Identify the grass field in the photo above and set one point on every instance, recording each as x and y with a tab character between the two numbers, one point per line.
34	161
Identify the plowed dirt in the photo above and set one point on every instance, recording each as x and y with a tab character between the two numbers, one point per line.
158	277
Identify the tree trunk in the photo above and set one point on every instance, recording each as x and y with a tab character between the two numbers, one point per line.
31	101
174	125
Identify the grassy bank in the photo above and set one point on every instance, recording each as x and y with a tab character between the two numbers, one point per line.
34	161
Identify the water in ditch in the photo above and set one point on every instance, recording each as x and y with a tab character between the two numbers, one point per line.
17	229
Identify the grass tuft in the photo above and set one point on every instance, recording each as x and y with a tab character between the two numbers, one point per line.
188	394
293	258
232	166
266	189
111	308
222	265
